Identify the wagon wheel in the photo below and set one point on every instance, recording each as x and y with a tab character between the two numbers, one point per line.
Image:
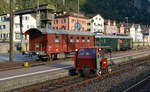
86	71
72	72
80	72
99	72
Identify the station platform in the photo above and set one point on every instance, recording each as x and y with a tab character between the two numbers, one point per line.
17	78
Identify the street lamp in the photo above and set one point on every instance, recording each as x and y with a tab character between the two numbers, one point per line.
143	35
127	22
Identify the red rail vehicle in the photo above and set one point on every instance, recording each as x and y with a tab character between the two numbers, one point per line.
54	43
91	60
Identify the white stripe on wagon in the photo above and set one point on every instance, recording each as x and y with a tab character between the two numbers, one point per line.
29	74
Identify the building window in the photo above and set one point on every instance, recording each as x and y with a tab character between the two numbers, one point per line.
3	27
71	39
83	22
57	39
64	27
63	21
83	40
3	19
17	25
55	21
88	39
4	36
73	21
28	26
77	39
1	36
17	36
88	29
7	35
26	18
88	24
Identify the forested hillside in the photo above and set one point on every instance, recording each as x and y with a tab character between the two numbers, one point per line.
136	10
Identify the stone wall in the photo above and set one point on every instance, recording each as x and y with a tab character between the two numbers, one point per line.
4	48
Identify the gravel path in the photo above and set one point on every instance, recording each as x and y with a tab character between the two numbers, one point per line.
116	83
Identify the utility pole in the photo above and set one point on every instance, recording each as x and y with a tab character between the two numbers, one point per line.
11	53
37	14
78	11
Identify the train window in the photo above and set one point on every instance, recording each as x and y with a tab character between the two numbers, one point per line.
57	39
88	39
77	39
71	39
86	52
83	40
110	40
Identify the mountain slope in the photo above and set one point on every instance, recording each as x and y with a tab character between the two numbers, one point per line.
136	10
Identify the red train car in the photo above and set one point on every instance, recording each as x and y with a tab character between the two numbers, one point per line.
54	42
91	60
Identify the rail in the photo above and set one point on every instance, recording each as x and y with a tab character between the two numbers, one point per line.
56	84
135	86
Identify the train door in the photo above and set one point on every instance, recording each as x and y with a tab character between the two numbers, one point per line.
131	43
97	42
64	43
118	47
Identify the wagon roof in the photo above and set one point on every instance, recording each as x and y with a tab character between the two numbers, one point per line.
45	31
113	36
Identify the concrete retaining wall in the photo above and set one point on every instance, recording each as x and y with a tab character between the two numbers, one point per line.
26	81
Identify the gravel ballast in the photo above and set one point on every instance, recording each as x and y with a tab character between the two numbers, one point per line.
116	83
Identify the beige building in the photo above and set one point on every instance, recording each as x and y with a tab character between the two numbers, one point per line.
28	21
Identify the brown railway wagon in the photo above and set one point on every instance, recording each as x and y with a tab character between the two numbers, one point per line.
58	41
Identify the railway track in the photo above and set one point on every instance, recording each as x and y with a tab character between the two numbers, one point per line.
74	81
139	85
19	65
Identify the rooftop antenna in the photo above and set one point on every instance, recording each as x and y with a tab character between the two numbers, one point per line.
37	14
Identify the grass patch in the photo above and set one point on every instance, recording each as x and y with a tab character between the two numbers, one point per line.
1	62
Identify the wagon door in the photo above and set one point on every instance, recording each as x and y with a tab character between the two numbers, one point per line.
64	43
